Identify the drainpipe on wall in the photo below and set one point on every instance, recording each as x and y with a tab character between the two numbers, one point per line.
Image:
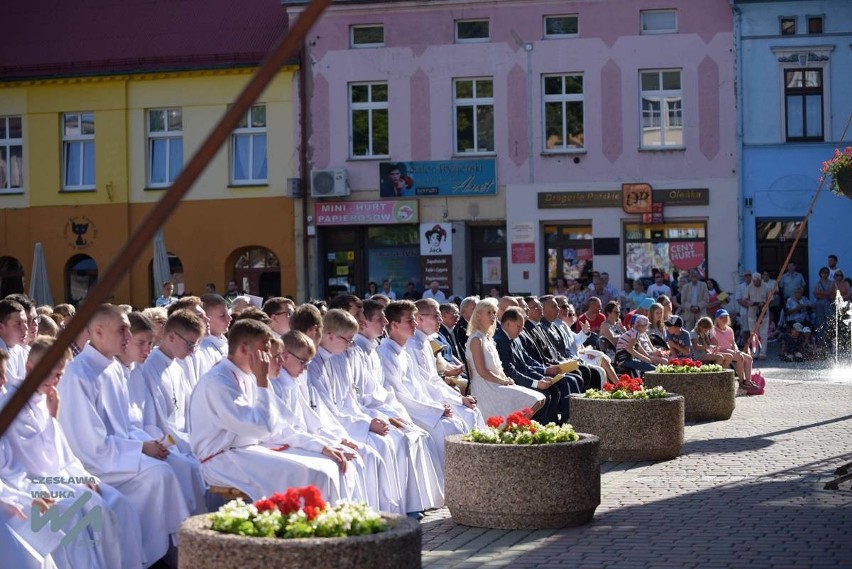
738	76
303	165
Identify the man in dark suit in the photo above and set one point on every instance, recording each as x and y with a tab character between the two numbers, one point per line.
466	309
561	342
449	318
525	371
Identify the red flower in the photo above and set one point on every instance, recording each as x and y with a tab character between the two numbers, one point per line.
527	412
698	364
264	505
516	419
609	387
624	377
495	421
675	362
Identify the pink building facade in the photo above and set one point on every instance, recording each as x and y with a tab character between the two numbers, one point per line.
602	134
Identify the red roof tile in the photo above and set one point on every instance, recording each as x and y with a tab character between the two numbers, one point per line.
60	38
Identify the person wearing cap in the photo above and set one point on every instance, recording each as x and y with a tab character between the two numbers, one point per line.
641	310
756	296
793	344
723	335
634	350
677	338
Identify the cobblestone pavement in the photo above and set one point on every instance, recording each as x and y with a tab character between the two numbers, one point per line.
747	492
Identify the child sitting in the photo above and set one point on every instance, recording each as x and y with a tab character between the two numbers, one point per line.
677	338
793	344
704	347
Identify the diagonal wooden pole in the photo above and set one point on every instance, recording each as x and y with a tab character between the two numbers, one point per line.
286	47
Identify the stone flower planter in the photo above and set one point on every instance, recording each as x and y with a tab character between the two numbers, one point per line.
632	429
201	547
710	396
492	486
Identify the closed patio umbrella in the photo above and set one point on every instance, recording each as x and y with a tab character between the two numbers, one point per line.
39	285
162	271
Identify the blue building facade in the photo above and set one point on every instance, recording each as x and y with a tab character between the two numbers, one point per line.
794	76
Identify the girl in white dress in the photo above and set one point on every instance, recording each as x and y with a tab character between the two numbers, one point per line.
496	394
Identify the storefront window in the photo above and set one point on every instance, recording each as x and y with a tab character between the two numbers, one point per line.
668	248
393	254
568	249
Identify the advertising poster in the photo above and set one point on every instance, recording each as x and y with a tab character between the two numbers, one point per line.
436	239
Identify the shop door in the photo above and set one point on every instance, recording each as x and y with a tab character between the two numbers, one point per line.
774	240
568	250
489	268
343	261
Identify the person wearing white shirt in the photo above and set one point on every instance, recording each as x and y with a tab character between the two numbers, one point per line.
659	287
279	309
387	291
435	293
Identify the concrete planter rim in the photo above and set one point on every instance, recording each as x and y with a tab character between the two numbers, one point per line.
400	525
669	397
585	439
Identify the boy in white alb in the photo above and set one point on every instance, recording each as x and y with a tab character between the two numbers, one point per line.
424	481
13	339
214	345
291	356
39	446
97	426
419	349
436	417
232	411
383	486
158	388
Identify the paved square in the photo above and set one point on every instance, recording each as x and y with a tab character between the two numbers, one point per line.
747	492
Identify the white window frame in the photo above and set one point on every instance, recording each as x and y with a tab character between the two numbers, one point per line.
471	40
250	132
564	99
354	45
548	36
642	28
665	96
78	139
7	143
370	106
474	102
169	136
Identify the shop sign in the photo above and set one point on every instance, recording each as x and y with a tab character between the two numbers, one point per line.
558	200
437	268
695	196
523	253
686	255
378	212
632	198
522	232
80	232
444	178
637	198
436	239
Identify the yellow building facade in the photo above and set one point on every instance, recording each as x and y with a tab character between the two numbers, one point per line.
98	151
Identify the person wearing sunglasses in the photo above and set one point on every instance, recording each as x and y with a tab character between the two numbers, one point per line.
841	285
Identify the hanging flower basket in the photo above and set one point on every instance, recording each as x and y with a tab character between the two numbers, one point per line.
839	167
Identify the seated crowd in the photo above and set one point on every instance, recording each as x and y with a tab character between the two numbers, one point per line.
158	413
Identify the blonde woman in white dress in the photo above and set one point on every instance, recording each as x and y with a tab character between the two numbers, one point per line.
496	394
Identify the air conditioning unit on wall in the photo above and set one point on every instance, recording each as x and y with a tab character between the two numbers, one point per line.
329	183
